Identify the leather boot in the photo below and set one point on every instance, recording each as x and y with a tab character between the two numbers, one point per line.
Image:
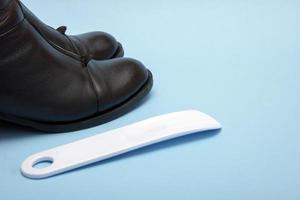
94	45
52	89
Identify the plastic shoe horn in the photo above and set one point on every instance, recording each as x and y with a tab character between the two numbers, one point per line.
117	141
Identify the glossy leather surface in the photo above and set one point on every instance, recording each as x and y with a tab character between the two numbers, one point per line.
9	16
127	76
95	45
4	3
43	82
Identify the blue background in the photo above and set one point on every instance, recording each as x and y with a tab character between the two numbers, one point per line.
235	60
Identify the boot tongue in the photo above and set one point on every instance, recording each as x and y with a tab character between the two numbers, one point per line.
62	29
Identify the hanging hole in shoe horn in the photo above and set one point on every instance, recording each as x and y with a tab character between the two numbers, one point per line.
43	163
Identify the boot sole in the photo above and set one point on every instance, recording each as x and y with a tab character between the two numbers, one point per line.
98	119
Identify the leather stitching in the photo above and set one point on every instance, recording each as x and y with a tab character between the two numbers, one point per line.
64	51
73	45
92	82
12	28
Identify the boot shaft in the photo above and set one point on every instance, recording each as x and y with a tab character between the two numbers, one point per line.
53	35
37	80
4	3
10	15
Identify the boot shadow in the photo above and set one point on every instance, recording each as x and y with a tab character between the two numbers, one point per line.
10	131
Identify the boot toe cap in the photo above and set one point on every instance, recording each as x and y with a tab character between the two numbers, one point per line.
117	80
97	45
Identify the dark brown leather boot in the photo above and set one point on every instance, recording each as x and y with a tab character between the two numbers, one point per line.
52	89
95	45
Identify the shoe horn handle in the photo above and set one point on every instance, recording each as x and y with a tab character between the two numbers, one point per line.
117	141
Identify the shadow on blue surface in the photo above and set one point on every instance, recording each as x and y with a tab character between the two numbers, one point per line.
152	148
10	131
